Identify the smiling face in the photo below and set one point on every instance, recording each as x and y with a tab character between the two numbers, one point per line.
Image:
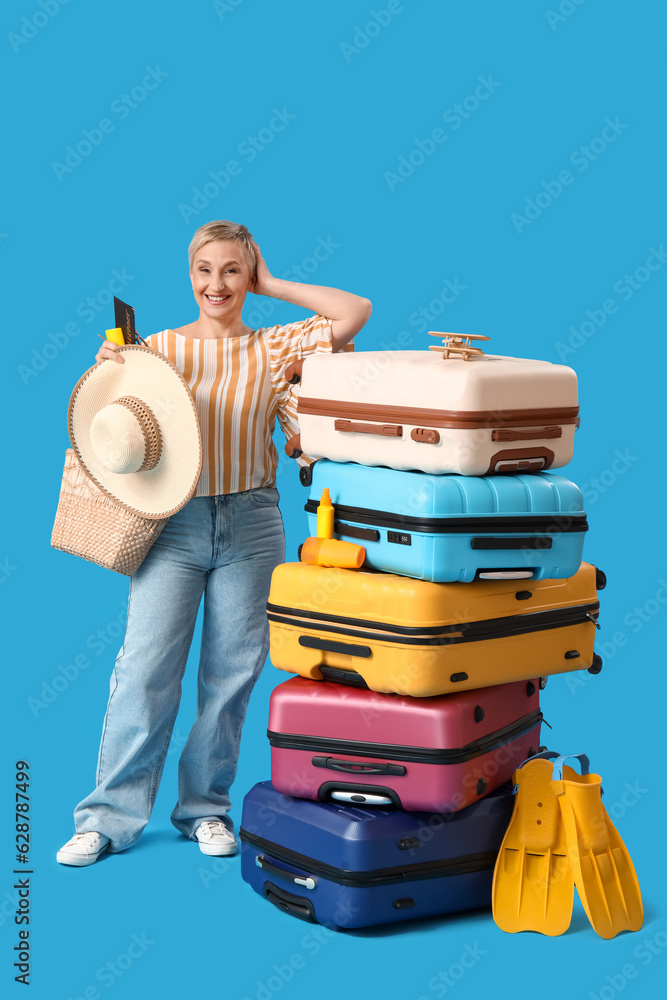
220	277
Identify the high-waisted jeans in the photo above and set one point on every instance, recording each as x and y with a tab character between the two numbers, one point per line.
224	548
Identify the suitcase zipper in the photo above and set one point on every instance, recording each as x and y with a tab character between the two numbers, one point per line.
545	524
409	754
455	419
438	635
378	876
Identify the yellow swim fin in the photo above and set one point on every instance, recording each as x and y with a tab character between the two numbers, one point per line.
533	884
603	871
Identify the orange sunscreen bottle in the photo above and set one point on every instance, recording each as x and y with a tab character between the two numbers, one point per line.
332	552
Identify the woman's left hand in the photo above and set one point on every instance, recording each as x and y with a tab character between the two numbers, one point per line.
264	277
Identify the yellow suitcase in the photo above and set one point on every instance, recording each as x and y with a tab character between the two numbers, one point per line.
396	634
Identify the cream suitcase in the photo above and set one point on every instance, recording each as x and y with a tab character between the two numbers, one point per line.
438	414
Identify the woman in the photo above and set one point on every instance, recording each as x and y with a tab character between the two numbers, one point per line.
222	545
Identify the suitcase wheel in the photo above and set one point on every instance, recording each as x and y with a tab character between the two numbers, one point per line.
306	475
600	579
596	665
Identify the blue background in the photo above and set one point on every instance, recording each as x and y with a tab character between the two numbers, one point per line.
360	94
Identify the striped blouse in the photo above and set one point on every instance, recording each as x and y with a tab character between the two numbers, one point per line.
239	389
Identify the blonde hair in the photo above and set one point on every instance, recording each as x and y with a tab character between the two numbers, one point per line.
223	229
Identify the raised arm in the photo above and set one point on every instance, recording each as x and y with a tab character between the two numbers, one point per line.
348	313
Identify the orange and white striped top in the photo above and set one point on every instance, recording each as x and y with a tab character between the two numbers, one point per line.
239	390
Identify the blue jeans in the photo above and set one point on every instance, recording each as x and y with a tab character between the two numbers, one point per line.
224	548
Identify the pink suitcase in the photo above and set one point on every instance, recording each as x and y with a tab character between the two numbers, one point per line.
333	742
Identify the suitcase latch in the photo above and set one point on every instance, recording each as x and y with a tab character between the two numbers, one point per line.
425	435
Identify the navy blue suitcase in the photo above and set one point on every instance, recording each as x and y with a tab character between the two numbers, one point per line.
347	867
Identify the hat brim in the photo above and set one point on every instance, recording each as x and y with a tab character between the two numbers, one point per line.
148	375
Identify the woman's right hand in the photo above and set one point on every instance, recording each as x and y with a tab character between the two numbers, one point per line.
108	350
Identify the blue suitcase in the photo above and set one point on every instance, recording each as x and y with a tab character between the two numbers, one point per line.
346	867
448	528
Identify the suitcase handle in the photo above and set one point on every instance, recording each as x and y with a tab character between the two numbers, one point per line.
505	434
383	430
357	766
533	542
368	534
304	882
328	646
288	903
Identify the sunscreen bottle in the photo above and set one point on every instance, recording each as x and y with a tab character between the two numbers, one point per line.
325	516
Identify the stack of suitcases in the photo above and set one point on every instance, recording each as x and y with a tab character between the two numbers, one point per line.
420	674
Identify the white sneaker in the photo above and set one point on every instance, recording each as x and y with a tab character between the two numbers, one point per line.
214	838
83	849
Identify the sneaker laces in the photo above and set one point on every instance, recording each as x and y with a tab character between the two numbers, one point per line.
80	838
214	828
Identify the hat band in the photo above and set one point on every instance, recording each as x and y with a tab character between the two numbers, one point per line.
150	429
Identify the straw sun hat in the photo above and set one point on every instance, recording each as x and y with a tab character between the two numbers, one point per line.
135	431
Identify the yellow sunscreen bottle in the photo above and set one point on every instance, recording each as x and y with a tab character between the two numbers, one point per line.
116	335
325	516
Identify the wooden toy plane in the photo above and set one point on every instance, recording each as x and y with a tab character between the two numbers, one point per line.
457	345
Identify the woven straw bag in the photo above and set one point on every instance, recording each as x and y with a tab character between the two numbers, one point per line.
90	524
